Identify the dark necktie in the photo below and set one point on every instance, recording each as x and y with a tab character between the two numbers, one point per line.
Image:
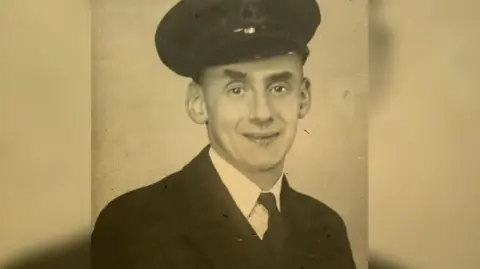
273	237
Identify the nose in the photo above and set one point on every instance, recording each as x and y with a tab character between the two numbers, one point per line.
261	111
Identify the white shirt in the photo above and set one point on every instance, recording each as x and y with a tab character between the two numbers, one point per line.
245	193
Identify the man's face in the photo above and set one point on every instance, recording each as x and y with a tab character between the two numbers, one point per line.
252	109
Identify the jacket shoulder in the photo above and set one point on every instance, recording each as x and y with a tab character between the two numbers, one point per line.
319	211
135	205
329	229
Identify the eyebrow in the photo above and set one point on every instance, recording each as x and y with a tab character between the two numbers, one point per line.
282	76
237	75
233	74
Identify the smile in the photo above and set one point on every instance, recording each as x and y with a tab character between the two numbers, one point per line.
262	139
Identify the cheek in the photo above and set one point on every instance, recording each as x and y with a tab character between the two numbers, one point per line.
225	114
287	109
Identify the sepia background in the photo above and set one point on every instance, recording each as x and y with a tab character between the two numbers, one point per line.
424	130
142	132
422	136
45	129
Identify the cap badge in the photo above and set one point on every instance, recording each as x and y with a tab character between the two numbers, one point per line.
248	31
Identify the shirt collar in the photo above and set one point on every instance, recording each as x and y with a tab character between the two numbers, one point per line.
244	192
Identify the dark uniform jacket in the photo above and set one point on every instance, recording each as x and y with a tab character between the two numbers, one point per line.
188	220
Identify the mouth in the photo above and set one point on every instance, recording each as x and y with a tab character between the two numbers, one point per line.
262	139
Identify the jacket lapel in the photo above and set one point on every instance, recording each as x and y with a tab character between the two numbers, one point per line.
300	242
217	227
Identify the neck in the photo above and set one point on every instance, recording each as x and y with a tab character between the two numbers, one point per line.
265	180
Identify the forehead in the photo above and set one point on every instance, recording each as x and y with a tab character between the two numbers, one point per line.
290	63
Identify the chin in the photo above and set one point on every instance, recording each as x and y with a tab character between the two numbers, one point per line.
263	164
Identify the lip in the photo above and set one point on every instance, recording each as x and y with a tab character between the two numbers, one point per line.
262	139
268	135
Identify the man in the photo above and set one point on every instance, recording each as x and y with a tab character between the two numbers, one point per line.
231	206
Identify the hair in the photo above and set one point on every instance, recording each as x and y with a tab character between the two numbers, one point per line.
304	54
197	78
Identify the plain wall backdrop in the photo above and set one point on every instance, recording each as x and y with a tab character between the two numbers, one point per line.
142	132
424	165
45	189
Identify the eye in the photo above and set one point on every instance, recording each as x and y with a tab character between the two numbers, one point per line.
278	89
236	90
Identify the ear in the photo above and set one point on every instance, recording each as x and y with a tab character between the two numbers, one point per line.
305	98
195	104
